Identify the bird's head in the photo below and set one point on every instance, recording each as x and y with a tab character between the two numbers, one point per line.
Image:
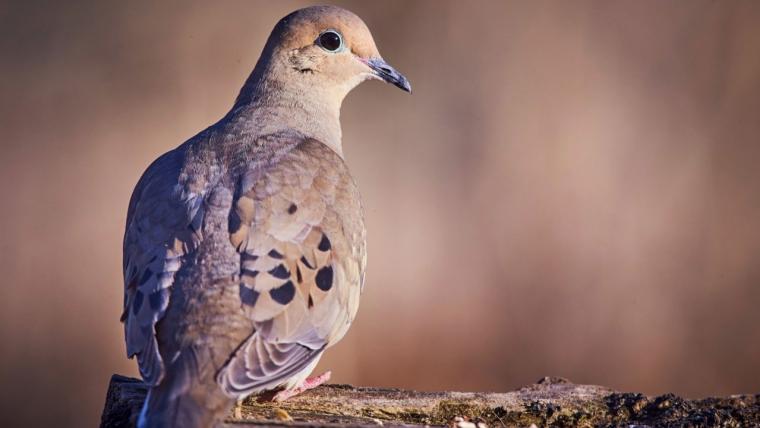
326	48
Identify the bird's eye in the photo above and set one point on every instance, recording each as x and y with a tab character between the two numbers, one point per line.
330	41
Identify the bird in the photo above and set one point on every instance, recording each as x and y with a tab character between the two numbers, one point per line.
244	251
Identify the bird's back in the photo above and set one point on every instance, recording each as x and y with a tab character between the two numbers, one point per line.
270	254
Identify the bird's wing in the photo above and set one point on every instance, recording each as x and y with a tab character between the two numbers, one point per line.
298	226
163	224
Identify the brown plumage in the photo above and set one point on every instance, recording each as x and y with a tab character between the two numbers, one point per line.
244	250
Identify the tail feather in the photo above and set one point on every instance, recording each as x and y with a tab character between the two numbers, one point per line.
187	396
160	411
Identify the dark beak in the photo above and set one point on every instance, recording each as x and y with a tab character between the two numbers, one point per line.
389	74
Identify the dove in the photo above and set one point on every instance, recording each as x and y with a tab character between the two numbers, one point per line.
245	246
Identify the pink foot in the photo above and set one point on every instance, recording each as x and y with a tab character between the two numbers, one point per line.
309	383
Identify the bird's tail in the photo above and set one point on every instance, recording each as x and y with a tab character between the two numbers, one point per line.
184	398
161	410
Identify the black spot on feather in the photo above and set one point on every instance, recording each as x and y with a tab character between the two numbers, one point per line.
248	272
235	223
306	263
145	277
298	274
156	299
292	209
275	255
284	293
311	302
324	244
325	278
137	303
280	272
248	295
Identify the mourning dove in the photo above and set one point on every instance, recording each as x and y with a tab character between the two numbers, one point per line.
245	247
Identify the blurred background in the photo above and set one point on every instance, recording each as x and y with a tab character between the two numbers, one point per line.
572	189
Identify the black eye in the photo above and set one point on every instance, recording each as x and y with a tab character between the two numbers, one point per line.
330	41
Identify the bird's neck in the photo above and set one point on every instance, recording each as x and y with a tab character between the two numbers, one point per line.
269	105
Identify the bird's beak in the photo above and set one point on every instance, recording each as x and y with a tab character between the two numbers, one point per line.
385	72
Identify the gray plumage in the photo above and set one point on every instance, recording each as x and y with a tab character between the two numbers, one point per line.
245	247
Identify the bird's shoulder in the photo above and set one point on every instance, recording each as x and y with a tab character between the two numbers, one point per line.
293	179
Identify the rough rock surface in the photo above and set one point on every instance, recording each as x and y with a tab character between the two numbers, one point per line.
550	402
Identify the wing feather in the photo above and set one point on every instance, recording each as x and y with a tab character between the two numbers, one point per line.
299	230
162	229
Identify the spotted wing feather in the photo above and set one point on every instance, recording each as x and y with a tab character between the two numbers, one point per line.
163	221
299	230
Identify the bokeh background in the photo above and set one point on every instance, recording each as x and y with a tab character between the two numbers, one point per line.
572	189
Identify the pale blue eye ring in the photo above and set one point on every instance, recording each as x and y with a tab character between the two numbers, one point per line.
330	40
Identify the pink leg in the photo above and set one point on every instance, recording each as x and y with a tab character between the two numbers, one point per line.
309	383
